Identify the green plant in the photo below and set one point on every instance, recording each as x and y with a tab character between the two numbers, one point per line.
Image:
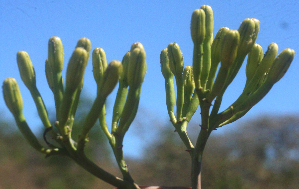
195	88
198	87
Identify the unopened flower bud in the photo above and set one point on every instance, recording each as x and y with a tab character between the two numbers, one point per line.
55	54
188	78
165	69
85	44
198	30
248	30
176	62
49	75
110	77
229	48
136	67
26	69
12	96
209	22
216	45
281	65
76	69
136	45
99	63
255	57
125	62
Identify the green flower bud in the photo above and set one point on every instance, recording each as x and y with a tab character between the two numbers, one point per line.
254	59
49	75
189	84
165	69
248	30
136	45
110	77
55	54
198	30
99	63
85	44
76	69
136	67
229	48
125	62
216	45
281	65
176	60
209	21
26	69
12	96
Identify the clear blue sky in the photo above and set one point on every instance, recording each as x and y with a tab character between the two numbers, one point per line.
115	25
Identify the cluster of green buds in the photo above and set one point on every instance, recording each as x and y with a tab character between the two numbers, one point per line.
200	85
129	74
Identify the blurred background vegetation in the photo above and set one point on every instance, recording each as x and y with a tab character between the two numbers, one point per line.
258	153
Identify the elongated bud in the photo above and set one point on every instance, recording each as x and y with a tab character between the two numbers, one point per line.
55	54
255	57
136	45
12	96
125	62
281	65
176	62
110	77
267	61
165	68
188	78
209	21
26	69
216	45
85	44
229	48
137	66
248	30
49	75
99	63
76	69
198	30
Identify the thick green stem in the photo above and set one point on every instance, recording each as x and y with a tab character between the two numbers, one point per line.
197	158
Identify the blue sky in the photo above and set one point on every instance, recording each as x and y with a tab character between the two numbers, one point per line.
115	25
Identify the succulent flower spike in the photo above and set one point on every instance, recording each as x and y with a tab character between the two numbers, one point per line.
12	96
169	86
229	48
110	77
248	30
215	55
280	65
74	76
209	25
26	69
198	30
262	69
228	53
85	44
99	64
175	57
55	54
14	102
76	69
254	59
137	66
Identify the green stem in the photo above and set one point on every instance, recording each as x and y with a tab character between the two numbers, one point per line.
170	98
180	98
100	173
